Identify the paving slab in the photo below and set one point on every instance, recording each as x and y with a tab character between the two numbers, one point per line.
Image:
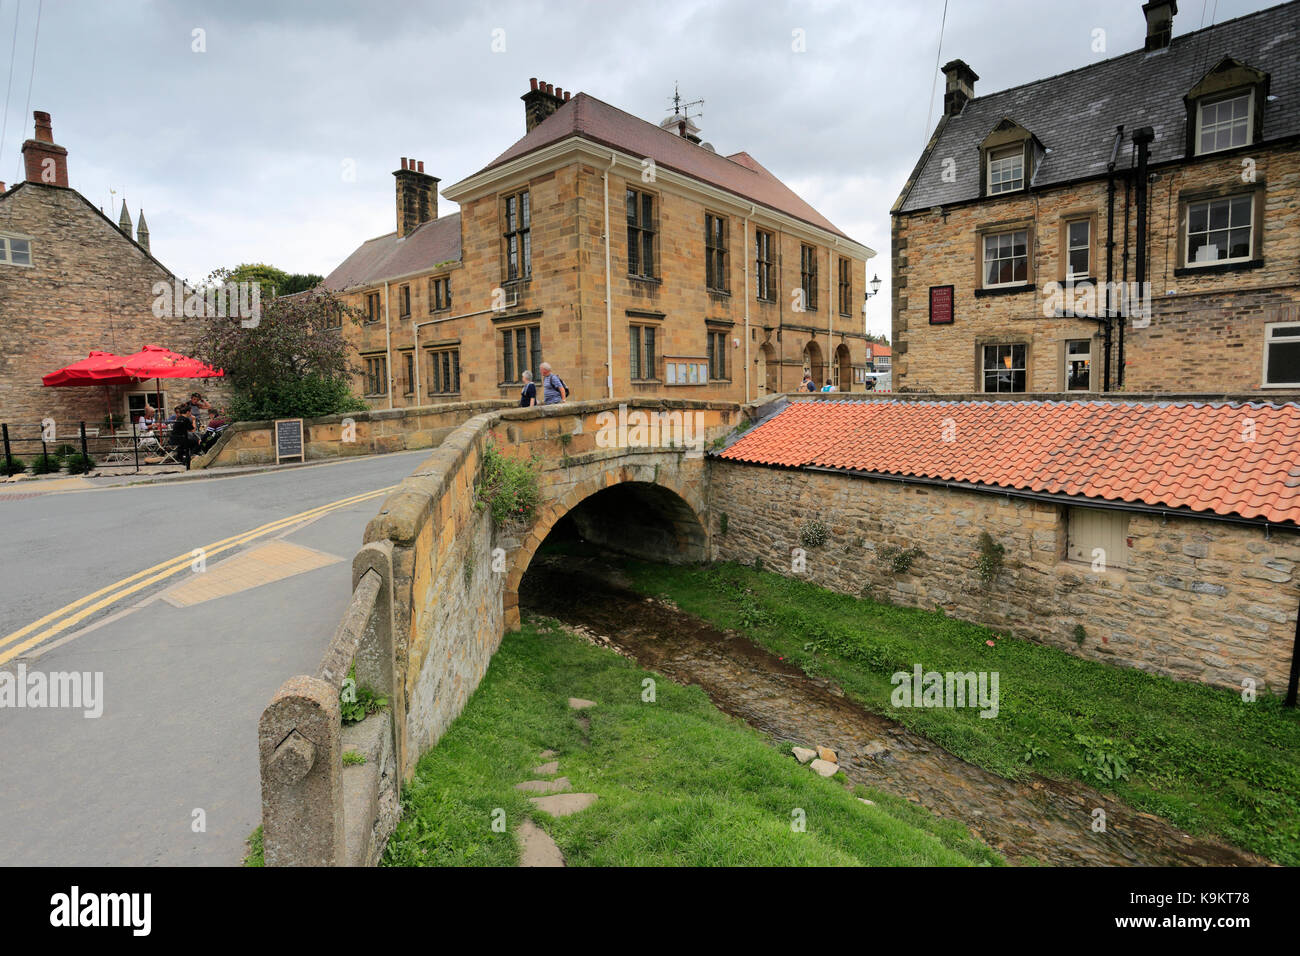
564	804
544	786
537	847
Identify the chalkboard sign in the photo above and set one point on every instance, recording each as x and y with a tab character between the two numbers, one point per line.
288	439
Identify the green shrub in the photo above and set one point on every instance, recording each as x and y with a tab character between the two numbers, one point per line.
64	451
46	464
507	487
311	396
12	466
79	464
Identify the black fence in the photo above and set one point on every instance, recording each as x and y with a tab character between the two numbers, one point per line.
47	447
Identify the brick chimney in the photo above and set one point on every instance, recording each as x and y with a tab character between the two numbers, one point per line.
959	86
417	196
541	100
1160	22
44	161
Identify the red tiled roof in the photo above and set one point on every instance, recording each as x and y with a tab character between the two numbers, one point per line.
878	349
739	173
1199	456
388	257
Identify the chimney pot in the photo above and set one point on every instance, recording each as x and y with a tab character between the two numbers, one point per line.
550	89
43	161
559	92
421	164
566	97
1160	22
532	82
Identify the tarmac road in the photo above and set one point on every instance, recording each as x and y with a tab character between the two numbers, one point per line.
189	654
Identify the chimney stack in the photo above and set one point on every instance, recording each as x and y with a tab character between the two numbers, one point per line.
959	86
1160	22
417	196
541	100
44	161
142	233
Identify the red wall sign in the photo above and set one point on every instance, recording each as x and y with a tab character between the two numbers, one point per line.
941	311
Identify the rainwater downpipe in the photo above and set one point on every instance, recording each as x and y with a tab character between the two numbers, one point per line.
609	287
1294	682
388	347
1110	255
752	209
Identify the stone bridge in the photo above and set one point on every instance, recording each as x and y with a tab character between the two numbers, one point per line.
631	475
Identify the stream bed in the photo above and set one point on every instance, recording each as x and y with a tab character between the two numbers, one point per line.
1034	820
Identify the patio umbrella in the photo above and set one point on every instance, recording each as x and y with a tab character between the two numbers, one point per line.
98	368
156	362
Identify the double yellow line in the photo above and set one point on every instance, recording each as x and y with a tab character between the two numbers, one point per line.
76	612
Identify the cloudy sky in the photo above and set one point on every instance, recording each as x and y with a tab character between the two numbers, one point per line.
238	140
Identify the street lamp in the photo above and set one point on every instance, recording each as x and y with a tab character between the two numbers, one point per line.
875	287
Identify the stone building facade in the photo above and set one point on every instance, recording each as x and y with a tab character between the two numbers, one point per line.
722	283
73	281
1177	166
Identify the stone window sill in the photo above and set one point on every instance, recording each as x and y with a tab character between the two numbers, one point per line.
1005	290
1220	267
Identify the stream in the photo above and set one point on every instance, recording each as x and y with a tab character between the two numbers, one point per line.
1034	820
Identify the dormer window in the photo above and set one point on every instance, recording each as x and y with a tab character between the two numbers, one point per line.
1006	170
1224	123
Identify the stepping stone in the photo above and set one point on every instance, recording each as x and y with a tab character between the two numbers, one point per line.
548	754
825	767
564	804
803	754
544	786
825	753
871	803
538	849
577	703
547	768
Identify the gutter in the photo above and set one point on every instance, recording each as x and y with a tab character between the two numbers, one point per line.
609	301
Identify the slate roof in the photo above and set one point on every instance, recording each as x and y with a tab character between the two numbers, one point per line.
1074	114
1229	458
387	257
597	121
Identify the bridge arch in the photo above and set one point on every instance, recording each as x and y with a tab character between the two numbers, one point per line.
639	510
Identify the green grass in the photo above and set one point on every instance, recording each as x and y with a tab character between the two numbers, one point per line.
256	850
680	784
1199	756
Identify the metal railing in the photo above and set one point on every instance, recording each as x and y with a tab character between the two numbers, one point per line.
300	735
48	444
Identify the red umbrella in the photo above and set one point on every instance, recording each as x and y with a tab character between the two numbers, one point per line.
99	368
154	361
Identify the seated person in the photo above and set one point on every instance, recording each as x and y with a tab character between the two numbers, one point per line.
184	433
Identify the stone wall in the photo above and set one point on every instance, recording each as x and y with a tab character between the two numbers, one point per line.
371	433
457	575
1200	600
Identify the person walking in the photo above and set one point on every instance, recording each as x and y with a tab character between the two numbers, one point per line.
528	395
828	387
554	390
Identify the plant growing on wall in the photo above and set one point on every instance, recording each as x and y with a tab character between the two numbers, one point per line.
989	564
813	534
507	487
358	703
722	523
898	560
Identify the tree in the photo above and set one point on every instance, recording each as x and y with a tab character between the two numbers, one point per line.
293	362
273	281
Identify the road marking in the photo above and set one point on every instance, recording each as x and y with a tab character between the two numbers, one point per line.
124	588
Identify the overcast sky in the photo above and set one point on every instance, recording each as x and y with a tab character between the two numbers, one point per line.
240	153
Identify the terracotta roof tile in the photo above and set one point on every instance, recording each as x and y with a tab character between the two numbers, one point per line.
1229	458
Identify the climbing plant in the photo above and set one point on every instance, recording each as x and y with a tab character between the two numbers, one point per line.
989	564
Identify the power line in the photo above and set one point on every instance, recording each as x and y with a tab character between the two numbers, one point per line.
13	47
938	55
32	75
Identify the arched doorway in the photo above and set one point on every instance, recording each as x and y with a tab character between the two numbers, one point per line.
812	361
843	368
770	372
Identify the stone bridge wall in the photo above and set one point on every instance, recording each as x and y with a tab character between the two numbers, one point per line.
457	575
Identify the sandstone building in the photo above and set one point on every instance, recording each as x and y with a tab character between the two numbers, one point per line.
1168	177
718	282
73	281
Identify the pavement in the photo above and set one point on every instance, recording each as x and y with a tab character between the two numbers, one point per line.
193	600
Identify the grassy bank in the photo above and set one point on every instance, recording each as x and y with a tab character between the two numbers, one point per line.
1200	757
679	783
